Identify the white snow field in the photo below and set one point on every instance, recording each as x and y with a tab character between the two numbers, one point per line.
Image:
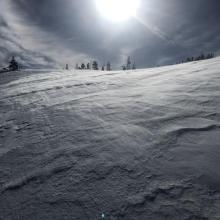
131	145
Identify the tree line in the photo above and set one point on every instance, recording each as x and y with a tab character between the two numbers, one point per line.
130	65
91	66
198	58
95	66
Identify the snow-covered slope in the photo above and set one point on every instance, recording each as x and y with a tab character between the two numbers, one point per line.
140	145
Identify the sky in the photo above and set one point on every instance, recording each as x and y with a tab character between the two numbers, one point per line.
51	33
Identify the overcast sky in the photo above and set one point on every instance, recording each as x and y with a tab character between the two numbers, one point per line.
45	33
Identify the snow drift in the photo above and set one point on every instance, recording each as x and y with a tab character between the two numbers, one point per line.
140	145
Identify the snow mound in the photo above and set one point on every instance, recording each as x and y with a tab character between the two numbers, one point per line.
131	145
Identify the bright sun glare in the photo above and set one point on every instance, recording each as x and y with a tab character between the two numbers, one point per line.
118	10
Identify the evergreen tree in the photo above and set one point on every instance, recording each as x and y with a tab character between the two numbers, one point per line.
129	63
208	56
83	66
108	66
88	66
188	59
134	66
202	56
13	65
95	65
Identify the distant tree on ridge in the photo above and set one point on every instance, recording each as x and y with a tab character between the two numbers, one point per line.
128	63
95	65
13	65
108	66
83	66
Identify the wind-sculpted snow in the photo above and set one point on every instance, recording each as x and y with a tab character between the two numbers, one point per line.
130	145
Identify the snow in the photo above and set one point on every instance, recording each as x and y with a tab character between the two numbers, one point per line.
140	145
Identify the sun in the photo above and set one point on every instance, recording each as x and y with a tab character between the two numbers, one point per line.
118	10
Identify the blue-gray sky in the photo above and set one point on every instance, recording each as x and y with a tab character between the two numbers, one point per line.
45	33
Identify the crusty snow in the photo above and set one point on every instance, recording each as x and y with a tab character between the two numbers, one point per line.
131	145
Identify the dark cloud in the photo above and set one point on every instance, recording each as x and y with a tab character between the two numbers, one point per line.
73	31
9	45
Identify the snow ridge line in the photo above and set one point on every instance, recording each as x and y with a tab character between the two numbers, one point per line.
35	176
49	89
181	131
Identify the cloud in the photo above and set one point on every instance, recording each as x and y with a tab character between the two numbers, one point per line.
69	27
32	46
10	45
185	28
54	32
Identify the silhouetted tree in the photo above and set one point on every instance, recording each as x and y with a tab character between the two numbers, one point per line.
67	67
134	66
210	56
83	66
103	68
129	63
108	66
88	66
200	57
13	65
188	59
95	65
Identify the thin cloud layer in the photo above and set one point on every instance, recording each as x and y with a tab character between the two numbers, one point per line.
53	32
11	44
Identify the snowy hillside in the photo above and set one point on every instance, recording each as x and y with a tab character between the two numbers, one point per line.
135	145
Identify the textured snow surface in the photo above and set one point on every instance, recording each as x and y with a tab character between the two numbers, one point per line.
133	145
